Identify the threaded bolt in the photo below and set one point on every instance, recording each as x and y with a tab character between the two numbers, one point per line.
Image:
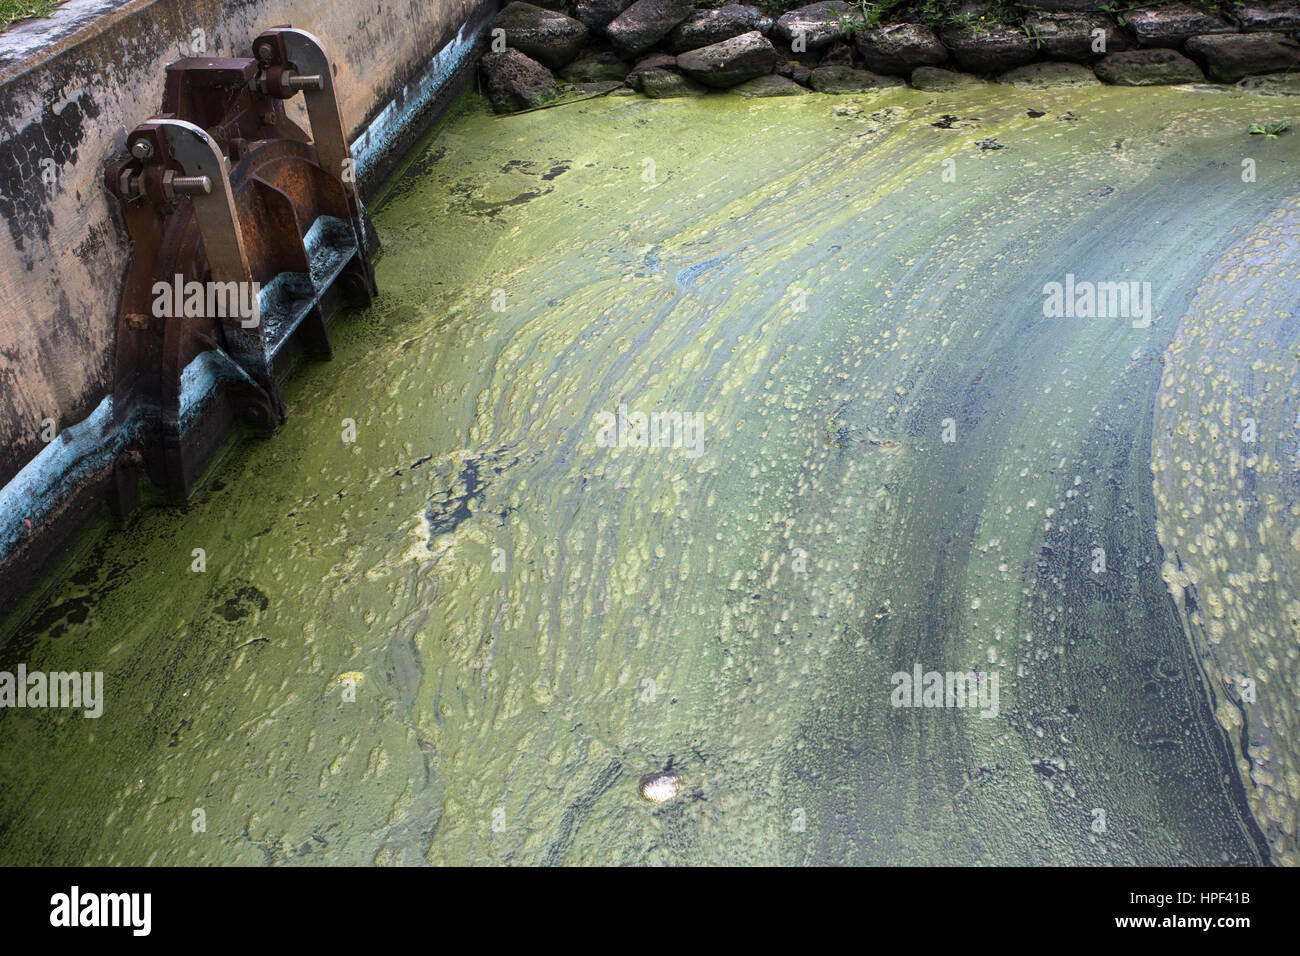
191	185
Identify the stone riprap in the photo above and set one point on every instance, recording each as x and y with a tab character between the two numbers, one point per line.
839	80
899	48
547	36
597	14
1075	37
827	47
645	23
706	27
1230	57
989	49
730	62
817	25
1173	24
1155	67
515	81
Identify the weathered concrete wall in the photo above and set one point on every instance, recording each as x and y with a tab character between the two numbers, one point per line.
70	88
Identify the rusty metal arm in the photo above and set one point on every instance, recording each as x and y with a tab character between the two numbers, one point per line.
207	183
294	61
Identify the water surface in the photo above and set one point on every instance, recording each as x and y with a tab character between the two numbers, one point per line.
532	621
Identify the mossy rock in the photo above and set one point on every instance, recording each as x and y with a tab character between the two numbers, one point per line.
668	84
1272	84
773	85
1049	75
931	79
845	79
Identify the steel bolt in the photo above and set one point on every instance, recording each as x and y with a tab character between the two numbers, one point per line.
191	185
312	81
142	149
265	51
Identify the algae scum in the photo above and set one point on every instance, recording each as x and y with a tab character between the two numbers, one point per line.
468	634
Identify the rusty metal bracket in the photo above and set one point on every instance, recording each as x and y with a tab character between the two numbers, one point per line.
294	60
245	231
207	183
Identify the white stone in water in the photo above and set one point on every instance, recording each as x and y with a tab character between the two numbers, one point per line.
660	787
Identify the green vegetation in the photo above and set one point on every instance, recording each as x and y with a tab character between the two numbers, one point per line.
849	24
1270	129
1117	9
1032	35
936	14
11	11
939	14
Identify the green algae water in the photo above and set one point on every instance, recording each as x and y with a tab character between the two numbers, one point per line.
444	619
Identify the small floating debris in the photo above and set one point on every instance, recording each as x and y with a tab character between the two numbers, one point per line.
1269	130
660	787
837	433
950	121
989	144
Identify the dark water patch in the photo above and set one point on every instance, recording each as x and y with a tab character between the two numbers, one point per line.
1115	639
491	209
445	515
579	809
951	121
239	600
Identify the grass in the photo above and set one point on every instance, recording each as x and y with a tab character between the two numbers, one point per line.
11	11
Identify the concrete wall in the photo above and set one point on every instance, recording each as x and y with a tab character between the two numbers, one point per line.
70	89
